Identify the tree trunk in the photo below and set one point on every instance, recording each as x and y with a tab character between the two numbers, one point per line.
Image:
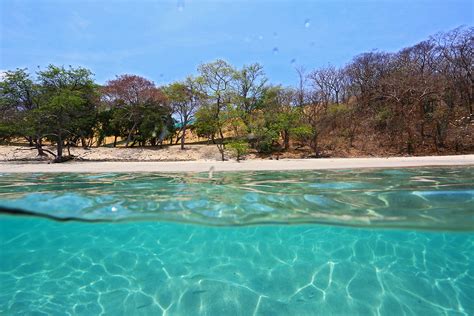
115	141
30	141
39	147
59	148
129	137
421	121
410	143
221	148
183	137
286	139
471	96
314	144
221	134
178	137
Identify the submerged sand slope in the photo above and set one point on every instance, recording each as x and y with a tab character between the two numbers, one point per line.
248	165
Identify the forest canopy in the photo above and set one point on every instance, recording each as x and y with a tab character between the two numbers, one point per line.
418	100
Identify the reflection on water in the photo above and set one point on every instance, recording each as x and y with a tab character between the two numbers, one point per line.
428	198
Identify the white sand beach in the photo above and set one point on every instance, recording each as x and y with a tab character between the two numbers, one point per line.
246	165
167	153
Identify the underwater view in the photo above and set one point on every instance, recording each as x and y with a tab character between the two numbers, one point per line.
342	242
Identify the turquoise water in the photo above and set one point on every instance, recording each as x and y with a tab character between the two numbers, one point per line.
137	244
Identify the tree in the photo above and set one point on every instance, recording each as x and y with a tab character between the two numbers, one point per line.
206	124
185	99
456	49
67	109
239	147
215	81
107	126
58	105
279	117
283	115
330	83
141	108
301	93
249	84
18	96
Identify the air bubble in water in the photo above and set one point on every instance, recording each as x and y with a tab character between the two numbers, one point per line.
307	23
275	50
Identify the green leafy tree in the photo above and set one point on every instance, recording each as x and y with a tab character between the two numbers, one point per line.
250	85
106	126
240	148
18	95
58	105
68	105
215	80
206	124
185	98
281	115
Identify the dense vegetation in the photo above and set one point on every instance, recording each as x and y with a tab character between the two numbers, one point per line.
415	101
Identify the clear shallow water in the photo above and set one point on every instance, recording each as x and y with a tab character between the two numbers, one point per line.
428	198
153	267
148	268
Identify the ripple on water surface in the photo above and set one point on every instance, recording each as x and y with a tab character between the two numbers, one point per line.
428	198
156	268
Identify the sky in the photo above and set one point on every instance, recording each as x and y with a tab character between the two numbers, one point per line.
165	41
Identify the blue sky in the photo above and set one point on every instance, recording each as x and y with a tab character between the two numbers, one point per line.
167	40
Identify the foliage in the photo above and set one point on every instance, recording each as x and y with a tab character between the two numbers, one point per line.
141	109
302	134
59	105
250	86
206	125
239	147
185	98
421	97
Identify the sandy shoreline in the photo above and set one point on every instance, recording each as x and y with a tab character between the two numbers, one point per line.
248	165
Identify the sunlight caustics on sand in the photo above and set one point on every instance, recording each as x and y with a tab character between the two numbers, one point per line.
144	264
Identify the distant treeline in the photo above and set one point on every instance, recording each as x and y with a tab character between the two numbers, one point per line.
417	100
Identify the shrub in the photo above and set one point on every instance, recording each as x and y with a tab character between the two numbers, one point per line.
240	148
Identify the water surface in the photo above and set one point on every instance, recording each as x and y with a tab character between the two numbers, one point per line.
210	261
428	198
